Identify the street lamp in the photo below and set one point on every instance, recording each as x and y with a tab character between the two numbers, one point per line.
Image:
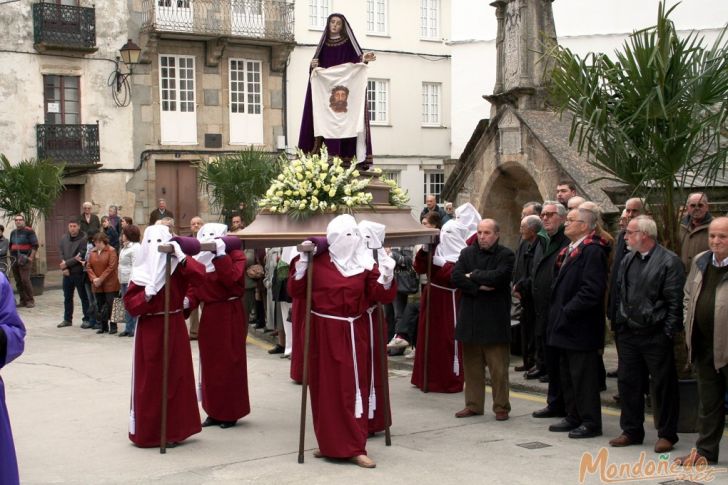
121	90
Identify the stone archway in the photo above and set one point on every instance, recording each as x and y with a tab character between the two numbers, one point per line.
510	186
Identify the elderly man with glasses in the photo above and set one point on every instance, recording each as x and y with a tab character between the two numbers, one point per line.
576	323
553	215
649	313
694	228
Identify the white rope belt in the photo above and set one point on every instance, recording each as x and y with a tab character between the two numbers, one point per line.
358	404
455	363
372	391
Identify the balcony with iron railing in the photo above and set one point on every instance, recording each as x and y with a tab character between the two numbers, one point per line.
64	27
73	145
265	21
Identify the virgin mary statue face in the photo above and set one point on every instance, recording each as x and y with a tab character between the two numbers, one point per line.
336	24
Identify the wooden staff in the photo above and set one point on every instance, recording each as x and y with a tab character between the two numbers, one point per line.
425	387
385	376
165	353
306	247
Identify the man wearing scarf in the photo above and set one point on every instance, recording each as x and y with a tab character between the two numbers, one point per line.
444	354
223	328
337	46
346	282
145	299
12	343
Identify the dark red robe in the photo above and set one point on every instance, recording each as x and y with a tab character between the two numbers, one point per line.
221	338
183	416
377	422
298	322
440	359
333	392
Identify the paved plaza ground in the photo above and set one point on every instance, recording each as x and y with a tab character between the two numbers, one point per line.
68	397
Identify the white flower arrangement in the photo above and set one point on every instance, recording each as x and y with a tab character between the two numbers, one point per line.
398	197
312	183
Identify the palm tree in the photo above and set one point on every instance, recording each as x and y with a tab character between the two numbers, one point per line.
236	182
652	118
29	187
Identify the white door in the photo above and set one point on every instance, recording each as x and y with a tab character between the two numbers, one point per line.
247	18
178	120
174	15
246	102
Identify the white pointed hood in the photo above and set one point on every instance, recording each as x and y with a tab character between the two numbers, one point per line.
452	240
208	233
468	216
148	270
346	246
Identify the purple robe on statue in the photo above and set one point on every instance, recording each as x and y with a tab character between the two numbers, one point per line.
12	341
332	53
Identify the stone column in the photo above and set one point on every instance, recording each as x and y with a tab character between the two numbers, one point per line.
500	6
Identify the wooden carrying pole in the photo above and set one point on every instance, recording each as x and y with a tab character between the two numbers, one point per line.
307	248
385	375
168	250
425	386
165	353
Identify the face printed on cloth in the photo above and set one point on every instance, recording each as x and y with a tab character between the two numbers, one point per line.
452	240
208	233
346	246
148	270
468	216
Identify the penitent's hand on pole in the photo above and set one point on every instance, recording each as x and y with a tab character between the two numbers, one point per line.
368	57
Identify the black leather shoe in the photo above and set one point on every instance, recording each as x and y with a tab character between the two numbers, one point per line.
86	325
101	330
544	379
563	426
584	432
64	323
534	374
210	422
278	349
547	412
123	334
227	424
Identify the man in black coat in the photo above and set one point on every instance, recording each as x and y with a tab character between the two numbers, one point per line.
649	313
576	323
72	249
553	216
483	274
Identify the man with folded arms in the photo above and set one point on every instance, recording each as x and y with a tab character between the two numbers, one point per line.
649	312
483	274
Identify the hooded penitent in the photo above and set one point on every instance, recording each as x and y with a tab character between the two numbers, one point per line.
452	240
346	246
468	216
208	233
148	270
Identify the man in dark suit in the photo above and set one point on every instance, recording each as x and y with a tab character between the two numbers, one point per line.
483	274
576	323
160	212
553	216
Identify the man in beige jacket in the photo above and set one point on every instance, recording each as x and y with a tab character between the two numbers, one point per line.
706	333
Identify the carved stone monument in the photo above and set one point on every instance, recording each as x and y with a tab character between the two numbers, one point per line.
522	151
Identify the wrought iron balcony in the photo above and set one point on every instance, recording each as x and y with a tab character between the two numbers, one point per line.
64	27
263	20
74	145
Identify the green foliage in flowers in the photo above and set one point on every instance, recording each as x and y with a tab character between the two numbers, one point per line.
312	183
398	197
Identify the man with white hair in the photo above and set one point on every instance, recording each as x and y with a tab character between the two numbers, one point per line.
346	282
223	328
444	353
145	299
649	314
694	228
576	323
